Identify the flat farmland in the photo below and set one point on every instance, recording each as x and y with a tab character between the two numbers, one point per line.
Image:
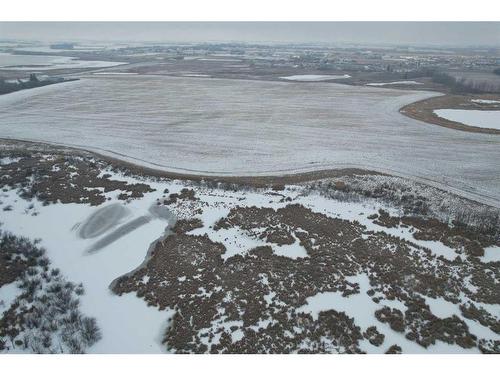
243	128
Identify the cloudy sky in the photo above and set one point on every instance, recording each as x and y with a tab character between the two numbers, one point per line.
415	33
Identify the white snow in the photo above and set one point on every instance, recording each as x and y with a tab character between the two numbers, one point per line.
8	294
8	160
442	308
394	83
485	101
315	77
491	254
294	251
477	118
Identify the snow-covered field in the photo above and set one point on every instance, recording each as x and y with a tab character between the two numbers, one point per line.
233	127
315	77
9	61
471	117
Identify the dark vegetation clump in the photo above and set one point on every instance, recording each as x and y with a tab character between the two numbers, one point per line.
394	349
185	194
374	336
187	225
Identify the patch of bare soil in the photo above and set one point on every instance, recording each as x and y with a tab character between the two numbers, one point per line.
250	303
424	110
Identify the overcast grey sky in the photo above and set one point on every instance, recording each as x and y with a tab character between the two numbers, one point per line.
422	33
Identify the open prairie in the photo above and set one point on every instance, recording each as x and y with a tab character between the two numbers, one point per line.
238	127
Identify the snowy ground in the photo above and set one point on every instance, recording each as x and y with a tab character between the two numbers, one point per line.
233	127
477	118
129	326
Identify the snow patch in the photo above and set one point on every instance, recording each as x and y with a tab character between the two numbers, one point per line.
477	118
491	254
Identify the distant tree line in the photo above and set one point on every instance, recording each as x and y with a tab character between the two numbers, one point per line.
465	85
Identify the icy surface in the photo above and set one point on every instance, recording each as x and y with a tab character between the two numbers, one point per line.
480	119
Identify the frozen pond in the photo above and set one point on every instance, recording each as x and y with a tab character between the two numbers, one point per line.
478	118
241	127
